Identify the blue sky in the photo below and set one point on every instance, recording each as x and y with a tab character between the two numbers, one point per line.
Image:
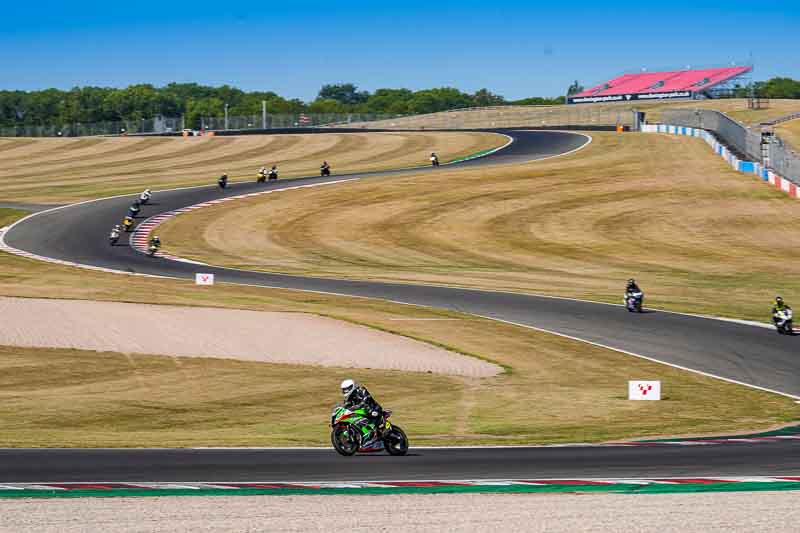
514	48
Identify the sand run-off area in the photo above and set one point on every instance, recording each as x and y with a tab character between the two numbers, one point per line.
274	337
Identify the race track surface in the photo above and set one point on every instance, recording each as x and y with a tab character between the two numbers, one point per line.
129	465
739	352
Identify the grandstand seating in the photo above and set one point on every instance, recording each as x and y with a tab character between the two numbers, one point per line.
662	82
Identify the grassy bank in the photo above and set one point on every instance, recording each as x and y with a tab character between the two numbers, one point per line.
68	170
553	390
698	236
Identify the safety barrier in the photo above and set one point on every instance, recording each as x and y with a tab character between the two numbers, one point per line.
749	167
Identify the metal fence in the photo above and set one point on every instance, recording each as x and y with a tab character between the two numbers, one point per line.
78	129
732	133
750	143
297	120
161	125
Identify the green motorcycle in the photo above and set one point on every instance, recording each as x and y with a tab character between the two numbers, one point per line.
352	431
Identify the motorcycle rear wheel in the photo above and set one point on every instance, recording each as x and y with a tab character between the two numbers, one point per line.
345	440
395	442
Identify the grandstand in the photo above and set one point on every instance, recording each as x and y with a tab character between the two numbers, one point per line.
677	84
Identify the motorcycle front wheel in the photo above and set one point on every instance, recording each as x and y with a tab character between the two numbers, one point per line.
395	442
345	440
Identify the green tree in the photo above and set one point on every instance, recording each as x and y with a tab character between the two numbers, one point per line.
345	93
575	88
484	98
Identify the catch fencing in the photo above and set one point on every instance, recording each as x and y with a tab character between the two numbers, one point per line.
756	145
166	125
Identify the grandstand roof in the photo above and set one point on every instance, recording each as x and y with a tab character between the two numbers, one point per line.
663	82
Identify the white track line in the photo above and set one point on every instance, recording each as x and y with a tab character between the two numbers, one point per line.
3	245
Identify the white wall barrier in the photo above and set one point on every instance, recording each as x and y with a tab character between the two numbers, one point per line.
749	167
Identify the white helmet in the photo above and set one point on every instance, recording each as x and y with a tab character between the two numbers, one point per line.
348	386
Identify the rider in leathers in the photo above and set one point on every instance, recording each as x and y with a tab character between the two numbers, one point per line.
779	306
357	397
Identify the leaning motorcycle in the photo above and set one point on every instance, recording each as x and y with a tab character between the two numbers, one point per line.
783	322
352	431
152	250
633	301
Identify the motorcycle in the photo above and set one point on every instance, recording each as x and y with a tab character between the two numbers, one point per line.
273	174
633	301
783	322
113	237
133	211
222	182
262	177
434	161
152	249
352	431
144	198
324	171
127	224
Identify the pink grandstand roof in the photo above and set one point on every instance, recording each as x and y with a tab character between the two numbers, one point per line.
656	82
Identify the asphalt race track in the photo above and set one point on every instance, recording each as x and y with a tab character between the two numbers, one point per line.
739	352
130	465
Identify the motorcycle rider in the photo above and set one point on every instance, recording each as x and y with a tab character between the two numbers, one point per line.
116	231
434	159
128	223
273	172
155	242
779	307
223	181
325	169
631	287
357	397
134	209
145	196
262	172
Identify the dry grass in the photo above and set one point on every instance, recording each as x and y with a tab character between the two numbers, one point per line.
699	236
589	114
68	170
553	390
790	132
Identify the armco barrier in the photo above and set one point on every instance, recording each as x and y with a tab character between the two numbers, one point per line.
749	167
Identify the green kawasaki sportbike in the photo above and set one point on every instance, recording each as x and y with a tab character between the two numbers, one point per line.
352	431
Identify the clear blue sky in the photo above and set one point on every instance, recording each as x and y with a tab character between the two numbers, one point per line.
514	48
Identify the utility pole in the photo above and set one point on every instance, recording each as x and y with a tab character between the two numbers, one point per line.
263	114
226	116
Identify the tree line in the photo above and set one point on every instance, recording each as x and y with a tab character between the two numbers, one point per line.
192	101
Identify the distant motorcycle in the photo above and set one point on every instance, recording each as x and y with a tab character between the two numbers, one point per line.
633	301
222	182
152	250
134	209
324	170
783	322
262	177
127	224
273	173
113	237
145	197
